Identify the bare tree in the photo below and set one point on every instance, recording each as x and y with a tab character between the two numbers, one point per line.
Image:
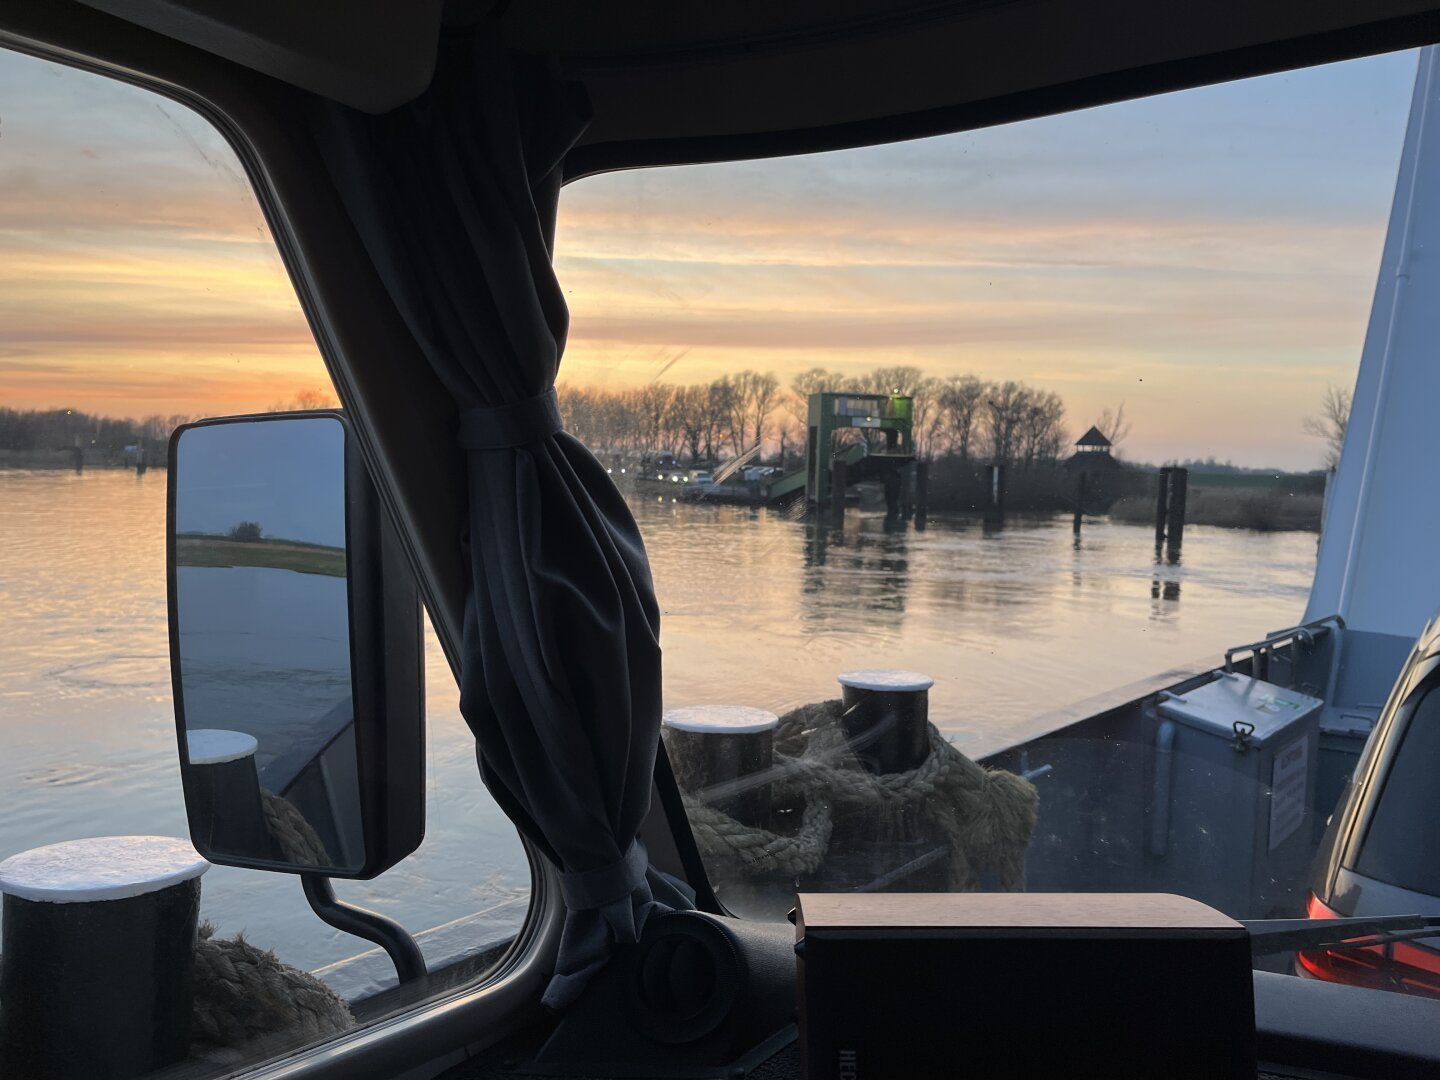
761	392
813	381
788	432
309	398
1004	410
817	381
1041	431
903	379
692	417
1330	425
1114	427
961	399
927	413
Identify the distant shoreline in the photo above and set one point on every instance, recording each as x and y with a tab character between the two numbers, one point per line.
1254	509
302	558
63	460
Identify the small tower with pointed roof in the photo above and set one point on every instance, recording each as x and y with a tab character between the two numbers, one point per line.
1092	451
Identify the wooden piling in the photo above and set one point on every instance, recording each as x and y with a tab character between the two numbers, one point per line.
837	492
1175	520
922	493
894	490
1162	505
995	490
1079	502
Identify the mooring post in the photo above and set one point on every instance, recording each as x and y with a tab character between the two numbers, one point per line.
922	493
225	793
894	484
887	717
722	754
141	464
1162	504
99	944
995	490
1079	501
79	458
837	492
1175	525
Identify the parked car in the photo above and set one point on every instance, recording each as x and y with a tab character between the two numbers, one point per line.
1381	852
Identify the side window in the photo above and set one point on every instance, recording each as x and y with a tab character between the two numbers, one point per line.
1404	832
139	289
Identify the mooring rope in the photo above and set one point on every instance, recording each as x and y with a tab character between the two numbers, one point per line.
985	816
295	837
244	993
247	1003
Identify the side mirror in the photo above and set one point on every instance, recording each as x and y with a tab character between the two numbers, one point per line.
295	650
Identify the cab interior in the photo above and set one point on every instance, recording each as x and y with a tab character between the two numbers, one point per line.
665	84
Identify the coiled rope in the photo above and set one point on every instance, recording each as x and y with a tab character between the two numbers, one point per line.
243	993
985	816
247	1003
295	837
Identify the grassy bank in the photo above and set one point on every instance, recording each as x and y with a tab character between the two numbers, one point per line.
275	554
1233	508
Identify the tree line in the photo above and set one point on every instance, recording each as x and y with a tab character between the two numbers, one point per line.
49	430
962	416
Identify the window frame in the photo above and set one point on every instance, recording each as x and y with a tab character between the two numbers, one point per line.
304	220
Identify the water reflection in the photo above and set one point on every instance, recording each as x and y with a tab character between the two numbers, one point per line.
764	609
1011	624
1165	584
866	570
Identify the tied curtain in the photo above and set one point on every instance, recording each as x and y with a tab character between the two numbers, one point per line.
454	197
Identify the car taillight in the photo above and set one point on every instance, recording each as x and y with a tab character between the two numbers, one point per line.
1400	966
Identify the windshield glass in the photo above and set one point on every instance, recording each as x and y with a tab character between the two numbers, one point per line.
963	462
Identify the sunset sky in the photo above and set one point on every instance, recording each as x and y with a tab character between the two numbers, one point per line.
1207	258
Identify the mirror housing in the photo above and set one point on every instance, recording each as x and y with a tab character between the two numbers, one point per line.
297	754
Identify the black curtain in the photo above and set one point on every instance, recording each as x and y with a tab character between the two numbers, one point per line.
454	196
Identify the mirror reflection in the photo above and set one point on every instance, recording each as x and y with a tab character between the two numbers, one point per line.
263	643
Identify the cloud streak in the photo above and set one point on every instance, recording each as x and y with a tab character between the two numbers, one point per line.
1208	257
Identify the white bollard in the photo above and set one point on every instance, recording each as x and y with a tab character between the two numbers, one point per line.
98	941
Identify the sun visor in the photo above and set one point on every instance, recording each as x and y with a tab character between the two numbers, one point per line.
371	56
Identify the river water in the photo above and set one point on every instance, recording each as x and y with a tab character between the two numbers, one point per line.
759	608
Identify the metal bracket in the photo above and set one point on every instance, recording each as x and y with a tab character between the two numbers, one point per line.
370	925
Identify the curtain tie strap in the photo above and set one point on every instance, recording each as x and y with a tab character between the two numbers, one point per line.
496	427
590	889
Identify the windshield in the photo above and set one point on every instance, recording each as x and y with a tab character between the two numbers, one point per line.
1008	437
